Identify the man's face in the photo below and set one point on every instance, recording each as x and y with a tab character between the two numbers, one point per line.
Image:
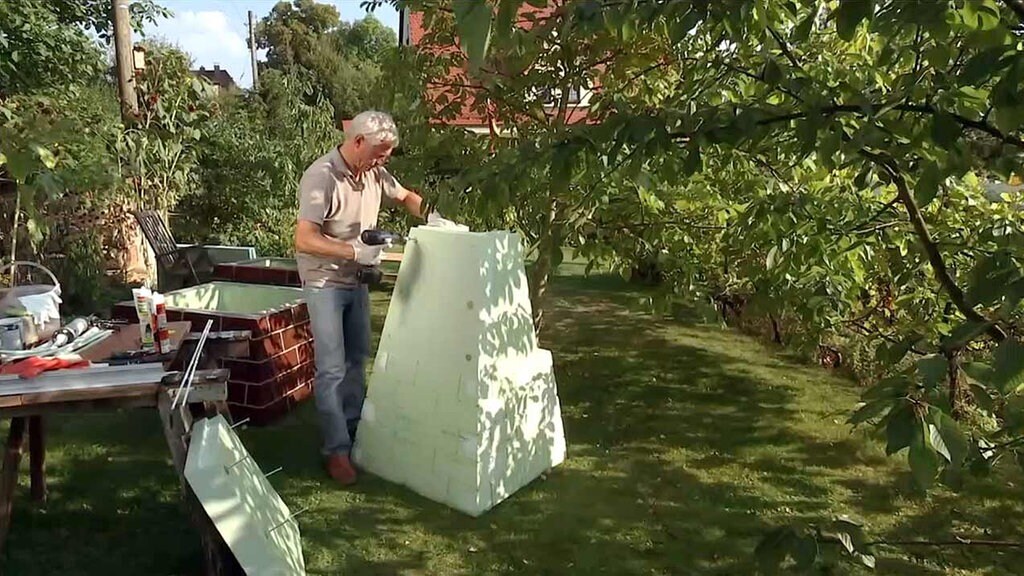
373	156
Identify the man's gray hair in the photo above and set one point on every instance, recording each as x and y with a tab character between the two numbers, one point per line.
377	127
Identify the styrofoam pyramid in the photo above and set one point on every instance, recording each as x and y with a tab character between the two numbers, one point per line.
462	405
249	514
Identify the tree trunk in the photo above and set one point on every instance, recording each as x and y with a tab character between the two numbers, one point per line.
776	330
959	395
540	274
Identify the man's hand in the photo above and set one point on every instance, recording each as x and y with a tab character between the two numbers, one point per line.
365	254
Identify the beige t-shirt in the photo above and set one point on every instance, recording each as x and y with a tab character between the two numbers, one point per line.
343	206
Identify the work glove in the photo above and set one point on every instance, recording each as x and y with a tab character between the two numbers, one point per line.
437	221
365	254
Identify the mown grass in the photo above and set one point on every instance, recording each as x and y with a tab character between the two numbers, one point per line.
686	443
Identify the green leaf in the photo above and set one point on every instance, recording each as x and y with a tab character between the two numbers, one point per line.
46	157
805	551
980	14
504	22
924	461
1008	118
890	388
982	398
828	150
982	66
932	370
770	261
693	162
892	354
953	437
807	134
683	26
990	278
870	410
900	429
772	73
803	29
628	30
945	129
773	548
938	55
473	23
1008	366
964	334
1013	413
936	441
3	158
850	14
927	185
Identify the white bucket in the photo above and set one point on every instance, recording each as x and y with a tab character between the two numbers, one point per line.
11	337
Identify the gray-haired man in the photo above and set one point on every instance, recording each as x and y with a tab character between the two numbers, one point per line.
340	196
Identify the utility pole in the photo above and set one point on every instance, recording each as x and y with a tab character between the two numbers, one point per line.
252	51
124	62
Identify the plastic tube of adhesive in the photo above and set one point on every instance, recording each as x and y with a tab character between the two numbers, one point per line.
160	332
143	298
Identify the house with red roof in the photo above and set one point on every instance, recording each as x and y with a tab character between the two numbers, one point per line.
473	116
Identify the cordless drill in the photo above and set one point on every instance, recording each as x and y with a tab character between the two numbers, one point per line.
372	274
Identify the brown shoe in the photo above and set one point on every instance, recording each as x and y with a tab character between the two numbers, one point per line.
340	468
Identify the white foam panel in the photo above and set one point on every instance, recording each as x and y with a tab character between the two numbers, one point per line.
462	405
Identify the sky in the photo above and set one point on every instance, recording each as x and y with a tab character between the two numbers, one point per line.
215	31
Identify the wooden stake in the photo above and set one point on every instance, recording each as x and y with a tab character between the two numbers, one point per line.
37	457
252	51
9	475
124	61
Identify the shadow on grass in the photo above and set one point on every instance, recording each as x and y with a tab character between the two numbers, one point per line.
113	503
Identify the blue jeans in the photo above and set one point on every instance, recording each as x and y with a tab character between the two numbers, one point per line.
340	322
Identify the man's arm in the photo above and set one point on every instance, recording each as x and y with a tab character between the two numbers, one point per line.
315	189
411	201
310	239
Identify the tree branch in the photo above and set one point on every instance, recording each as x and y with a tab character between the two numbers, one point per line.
930	248
875	228
918	108
753	76
958	542
676	222
785	49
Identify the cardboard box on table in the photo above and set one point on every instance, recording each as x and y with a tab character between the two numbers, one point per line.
462	404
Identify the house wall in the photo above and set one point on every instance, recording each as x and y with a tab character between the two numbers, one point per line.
470	116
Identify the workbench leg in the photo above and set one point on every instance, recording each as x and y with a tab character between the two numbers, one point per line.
37	457
9	476
217	557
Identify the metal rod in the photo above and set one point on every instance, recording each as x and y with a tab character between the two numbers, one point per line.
288	519
193	363
186	381
237	462
237	424
272	472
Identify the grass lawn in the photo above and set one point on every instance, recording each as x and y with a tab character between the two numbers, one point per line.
686	442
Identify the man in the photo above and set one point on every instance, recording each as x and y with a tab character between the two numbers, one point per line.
340	196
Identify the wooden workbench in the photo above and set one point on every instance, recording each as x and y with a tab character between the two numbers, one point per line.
208	396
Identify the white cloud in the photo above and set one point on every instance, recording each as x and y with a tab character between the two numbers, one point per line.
210	38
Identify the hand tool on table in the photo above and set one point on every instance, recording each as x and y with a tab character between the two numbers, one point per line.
375	237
